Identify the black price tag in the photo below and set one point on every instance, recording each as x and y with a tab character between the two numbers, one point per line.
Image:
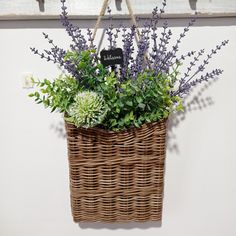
112	57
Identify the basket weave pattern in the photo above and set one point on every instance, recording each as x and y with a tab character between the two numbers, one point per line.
117	176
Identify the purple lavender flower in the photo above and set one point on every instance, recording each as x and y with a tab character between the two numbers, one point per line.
74	32
154	52
201	68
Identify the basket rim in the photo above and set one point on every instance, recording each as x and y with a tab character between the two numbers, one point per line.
128	130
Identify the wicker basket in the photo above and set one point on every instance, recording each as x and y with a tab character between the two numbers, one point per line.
117	176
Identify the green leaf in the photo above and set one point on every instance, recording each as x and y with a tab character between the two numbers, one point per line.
36	94
47	82
141	105
136	124
53	109
81	65
113	122
165	114
120	104
121	122
180	107
117	109
131	115
129	103
31	95
127	118
139	99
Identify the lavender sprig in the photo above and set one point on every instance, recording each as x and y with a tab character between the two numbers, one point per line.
192	64
42	55
143	46
110	29
56	55
128	49
56	52
74	32
206	61
182	58
179	40
116	35
156	16
213	74
183	89
161	63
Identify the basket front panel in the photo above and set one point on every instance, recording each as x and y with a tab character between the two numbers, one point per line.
116	177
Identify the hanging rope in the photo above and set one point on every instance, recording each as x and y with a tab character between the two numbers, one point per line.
133	19
102	13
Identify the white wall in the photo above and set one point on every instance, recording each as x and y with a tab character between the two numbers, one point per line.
200	187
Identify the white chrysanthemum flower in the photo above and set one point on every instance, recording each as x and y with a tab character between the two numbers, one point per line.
88	110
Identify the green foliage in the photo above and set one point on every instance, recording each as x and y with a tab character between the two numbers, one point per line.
136	102
92	72
131	102
58	94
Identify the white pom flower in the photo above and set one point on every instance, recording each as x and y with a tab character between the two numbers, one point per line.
88	110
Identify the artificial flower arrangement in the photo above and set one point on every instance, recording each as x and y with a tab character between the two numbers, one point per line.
115	105
147	87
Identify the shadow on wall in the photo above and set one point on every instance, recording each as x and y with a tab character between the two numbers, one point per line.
193	4
59	129
41	5
195	101
115	226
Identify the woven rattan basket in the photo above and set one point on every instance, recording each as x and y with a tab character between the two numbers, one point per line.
117	176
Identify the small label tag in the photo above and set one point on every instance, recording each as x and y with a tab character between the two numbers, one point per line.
112	57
